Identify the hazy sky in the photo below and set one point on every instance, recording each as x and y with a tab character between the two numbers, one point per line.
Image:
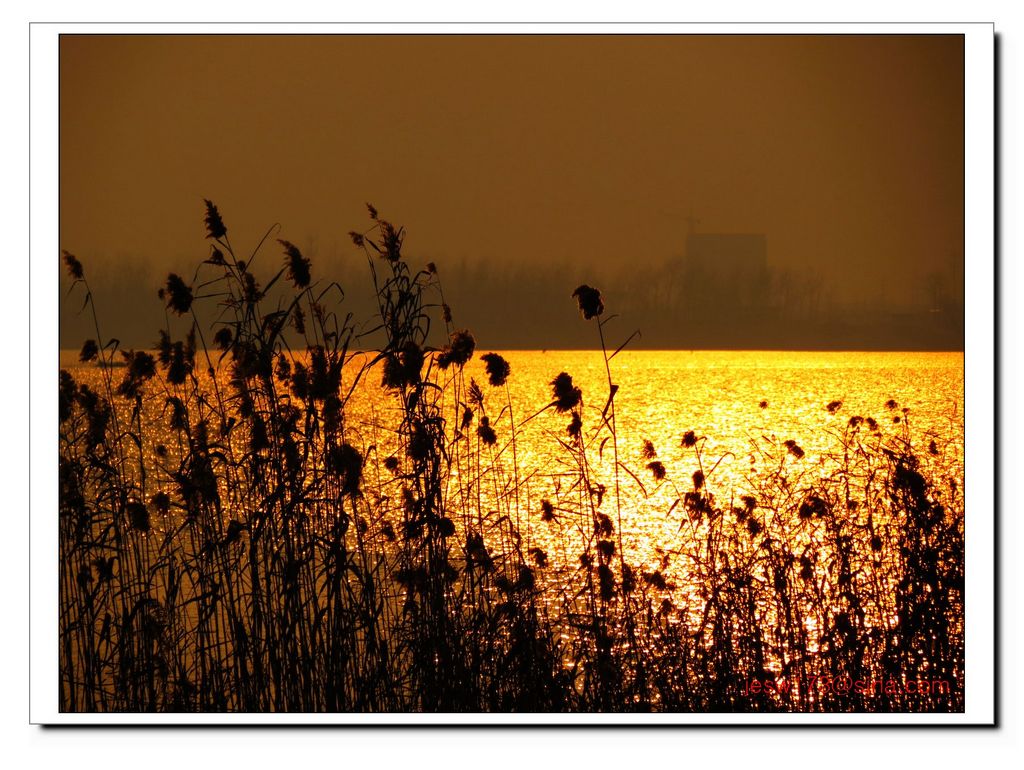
846	151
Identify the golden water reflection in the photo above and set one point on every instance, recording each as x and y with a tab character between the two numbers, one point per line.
742	406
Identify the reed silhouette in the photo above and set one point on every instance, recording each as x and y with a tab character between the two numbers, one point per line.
232	539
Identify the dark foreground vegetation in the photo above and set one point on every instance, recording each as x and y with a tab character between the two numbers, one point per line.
258	551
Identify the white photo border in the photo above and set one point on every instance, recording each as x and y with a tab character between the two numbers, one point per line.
979	372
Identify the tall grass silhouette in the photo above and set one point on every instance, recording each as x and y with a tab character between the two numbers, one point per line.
232	538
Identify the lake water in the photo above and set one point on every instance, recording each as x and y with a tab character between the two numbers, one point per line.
741	406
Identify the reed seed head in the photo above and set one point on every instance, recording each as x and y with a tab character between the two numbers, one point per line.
90	350
296	264
497	367
656	580
657	470
567	396
813	506
575	426
589	300
475	395
458	351
214	224
178	294
75	269
138	516
222	339
67	391
547	511
486	432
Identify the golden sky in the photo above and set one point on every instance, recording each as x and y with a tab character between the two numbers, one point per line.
845	151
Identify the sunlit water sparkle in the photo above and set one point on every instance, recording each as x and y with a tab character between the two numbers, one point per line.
661	395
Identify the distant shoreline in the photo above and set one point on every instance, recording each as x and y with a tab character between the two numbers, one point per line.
631	349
